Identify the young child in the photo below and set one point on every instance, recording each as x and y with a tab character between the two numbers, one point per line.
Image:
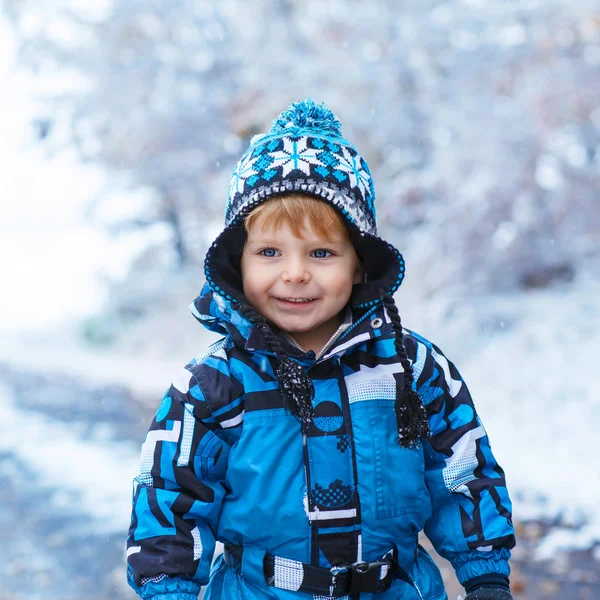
318	437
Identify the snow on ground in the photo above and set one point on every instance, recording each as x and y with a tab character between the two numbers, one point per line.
97	472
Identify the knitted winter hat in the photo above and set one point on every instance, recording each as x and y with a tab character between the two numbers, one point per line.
305	152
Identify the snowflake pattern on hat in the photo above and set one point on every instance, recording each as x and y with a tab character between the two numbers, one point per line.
358	176
304	152
243	171
295	155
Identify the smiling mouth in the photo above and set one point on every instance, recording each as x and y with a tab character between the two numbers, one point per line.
297	300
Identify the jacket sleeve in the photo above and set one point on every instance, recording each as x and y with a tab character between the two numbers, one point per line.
177	495
471	522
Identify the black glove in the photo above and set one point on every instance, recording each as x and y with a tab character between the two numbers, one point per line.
488	587
489	593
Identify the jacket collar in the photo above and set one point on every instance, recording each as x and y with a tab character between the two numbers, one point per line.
218	314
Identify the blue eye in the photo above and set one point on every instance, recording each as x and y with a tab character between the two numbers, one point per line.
269	252
321	253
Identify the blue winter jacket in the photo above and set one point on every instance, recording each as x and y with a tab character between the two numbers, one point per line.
223	461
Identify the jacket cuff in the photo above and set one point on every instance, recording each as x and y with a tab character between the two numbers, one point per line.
478	568
170	588
173	596
491	580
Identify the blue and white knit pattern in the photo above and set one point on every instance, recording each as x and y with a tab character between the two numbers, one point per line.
304	152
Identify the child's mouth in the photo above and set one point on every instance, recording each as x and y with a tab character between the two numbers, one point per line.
297	300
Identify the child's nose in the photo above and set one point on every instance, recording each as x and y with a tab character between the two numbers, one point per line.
295	271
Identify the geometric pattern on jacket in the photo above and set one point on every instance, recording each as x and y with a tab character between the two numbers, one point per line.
221	446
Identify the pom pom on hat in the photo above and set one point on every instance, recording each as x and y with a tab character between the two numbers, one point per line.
308	115
304	151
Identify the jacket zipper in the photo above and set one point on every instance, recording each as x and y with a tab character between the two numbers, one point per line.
346	324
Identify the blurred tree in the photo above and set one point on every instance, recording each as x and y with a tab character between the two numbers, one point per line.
480	121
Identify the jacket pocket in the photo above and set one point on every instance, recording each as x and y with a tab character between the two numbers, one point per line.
399	472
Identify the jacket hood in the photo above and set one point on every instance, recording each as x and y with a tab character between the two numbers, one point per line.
383	265
220	315
304	153
217	314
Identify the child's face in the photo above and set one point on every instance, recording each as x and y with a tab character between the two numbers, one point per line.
299	284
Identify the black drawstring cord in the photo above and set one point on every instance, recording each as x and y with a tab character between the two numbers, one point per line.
411	417
295	385
297	390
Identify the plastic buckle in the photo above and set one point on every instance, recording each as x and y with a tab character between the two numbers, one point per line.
335	573
365	577
361	567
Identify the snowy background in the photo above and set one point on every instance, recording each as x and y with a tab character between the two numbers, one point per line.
119	126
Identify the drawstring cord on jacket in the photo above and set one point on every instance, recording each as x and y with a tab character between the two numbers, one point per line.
411	417
297	390
295	385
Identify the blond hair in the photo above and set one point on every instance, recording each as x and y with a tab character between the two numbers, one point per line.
296	210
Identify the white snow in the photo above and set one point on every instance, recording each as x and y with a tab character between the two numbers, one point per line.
50	255
84	476
565	538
